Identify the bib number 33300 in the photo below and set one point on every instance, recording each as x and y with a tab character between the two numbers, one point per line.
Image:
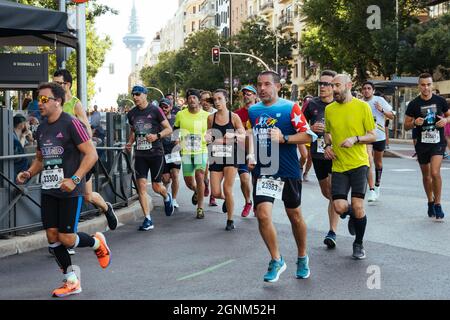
269	188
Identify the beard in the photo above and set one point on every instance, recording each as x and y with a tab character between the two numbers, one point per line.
340	96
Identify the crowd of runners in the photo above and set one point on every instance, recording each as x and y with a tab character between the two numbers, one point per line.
263	143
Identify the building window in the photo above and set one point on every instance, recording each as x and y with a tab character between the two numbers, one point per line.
193	10
193	26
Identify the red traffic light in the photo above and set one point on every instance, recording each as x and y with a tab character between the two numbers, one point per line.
215	55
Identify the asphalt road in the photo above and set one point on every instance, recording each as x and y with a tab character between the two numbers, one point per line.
185	258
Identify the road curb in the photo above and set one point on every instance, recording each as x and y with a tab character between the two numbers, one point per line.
394	154
38	240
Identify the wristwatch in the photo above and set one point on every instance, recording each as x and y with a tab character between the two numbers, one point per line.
286	138
76	179
158	135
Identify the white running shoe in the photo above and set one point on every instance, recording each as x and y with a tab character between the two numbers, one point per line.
377	191
71	251
372	196
175	203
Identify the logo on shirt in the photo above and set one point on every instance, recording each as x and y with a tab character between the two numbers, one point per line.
60	135
264	121
52	151
261	129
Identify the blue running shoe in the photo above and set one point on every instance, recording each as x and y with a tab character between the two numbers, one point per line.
146	225
168	205
330	240
438	211
303	271
275	269
431	210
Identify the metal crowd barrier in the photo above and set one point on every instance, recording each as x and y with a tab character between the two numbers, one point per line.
21	203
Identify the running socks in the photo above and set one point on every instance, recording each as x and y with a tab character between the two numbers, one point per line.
378	173
62	257
84	240
360	229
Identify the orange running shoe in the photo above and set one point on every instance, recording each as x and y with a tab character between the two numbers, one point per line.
68	288
103	253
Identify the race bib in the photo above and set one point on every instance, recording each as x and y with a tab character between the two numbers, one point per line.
193	143
52	178
269	188
320	145
173	157
431	136
142	143
222	150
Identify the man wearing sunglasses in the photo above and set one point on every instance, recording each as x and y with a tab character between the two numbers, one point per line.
73	107
148	126
249	95
315	114
64	155
172	160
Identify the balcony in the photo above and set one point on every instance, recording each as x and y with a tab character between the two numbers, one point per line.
286	22
266	7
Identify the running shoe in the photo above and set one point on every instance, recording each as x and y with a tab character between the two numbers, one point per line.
372	196
111	217
224	207
377	191
146	225
194	198
330	240
246	210
200	213
175	203
71	251
230	225
358	251
68	288
438	210
276	268
303	271
103	253
431	210
206	188
212	201
446	155
349	212
305	178
168	205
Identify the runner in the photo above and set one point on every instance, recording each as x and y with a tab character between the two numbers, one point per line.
172	163
250	96
278	125
315	114
148	126
207	103
73	107
224	129
429	113
380	110
64	155
344	118
192	125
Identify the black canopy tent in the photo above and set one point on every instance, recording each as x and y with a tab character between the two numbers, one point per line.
23	25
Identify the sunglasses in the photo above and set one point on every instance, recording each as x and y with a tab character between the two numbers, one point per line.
248	93
164	106
325	84
60	82
45	99
136	94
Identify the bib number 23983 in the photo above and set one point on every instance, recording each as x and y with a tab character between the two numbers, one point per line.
269	188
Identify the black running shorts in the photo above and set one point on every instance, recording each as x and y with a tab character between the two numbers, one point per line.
427	150
61	213
292	193
155	164
355	179
322	168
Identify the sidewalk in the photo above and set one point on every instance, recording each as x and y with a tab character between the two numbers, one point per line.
399	148
38	240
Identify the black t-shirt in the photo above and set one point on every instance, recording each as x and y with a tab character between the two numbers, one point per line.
58	143
168	142
428	133
315	112
143	122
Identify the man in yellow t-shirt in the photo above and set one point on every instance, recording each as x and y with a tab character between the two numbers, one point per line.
191	124
349	126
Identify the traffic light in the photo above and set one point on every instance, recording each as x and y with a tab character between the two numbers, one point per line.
215	55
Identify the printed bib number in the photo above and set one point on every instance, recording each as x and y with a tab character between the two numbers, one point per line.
222	150
320	145
193	143
52	178
142	143
173	157
431	136
269	188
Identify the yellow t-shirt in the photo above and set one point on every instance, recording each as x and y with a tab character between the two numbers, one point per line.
193	128
347	120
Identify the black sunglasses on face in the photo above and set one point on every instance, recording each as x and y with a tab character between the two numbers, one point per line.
325	84
136	94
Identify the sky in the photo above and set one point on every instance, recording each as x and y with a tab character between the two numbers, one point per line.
152	16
